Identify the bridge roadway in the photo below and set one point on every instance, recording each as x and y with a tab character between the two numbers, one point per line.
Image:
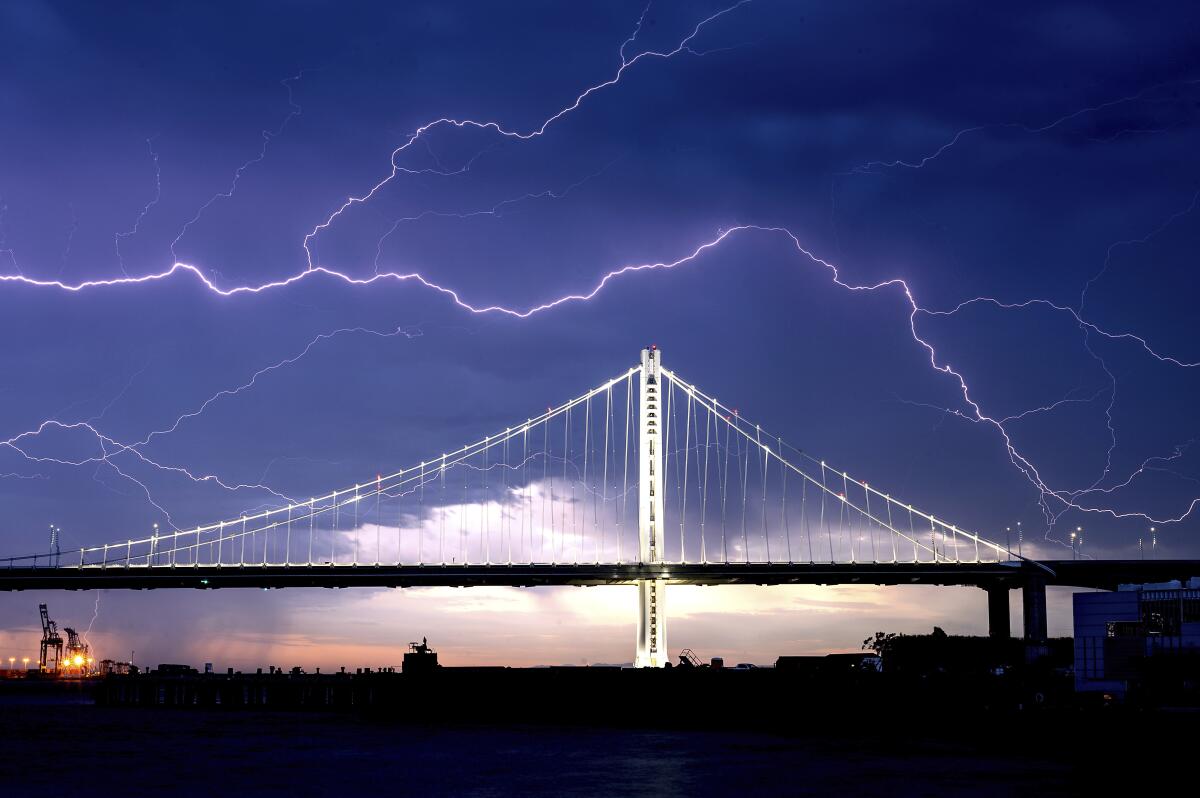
1101	574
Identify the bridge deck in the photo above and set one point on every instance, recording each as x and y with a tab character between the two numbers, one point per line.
1082	573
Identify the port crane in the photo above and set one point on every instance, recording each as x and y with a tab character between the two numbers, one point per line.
78	657
52	644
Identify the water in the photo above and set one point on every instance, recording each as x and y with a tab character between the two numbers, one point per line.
49	743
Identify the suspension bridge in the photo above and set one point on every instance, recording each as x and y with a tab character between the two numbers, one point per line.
643	480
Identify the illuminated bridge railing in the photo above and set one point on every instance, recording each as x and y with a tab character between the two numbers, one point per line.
561	488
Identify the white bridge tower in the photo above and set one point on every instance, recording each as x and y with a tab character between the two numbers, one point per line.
651	626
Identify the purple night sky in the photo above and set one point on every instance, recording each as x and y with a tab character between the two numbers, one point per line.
254	250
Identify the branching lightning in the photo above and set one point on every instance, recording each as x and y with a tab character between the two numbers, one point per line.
875	166
1055	500
267	137
111	448
133	231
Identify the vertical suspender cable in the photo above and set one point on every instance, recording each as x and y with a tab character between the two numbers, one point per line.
725	496
545	469
625	469
687	448
744	469
442	515
604	477
783	470
337	508
844	516
704	483
891	526
421	515
587	450
483	508
765	459
824	523
868	522
505	530
805	523
562	537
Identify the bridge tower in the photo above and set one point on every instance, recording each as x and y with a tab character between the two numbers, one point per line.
651	626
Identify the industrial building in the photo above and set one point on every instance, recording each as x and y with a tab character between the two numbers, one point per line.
1130	639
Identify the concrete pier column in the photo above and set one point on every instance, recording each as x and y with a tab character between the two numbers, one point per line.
1034	599
999	627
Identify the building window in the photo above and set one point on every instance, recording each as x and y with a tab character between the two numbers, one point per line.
1123	629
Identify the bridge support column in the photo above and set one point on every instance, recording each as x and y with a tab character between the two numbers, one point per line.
1034	600
999	627
651	629
651	651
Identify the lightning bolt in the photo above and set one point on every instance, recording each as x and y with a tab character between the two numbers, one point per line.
91	623
975	412
132	231
267	137
1065	499
873	167
506	132
493	211
110	447
6	249
71	231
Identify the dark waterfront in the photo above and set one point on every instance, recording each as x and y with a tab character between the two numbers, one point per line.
629	749
133	752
